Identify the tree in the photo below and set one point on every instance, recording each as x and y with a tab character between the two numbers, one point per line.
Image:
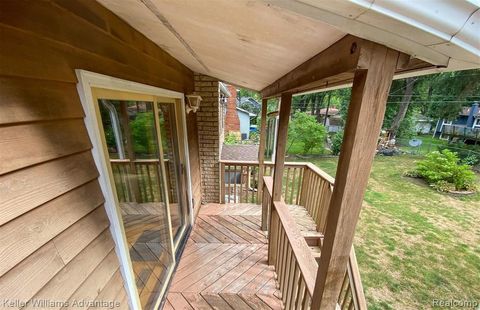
450	91
305	129
404	104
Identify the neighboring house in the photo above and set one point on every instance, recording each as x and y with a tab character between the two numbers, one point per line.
113	196
465	127
245	120
235	120
423	125
334	121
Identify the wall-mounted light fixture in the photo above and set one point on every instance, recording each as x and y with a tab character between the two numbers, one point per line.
193	103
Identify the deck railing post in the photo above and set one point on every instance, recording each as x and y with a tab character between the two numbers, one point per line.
371	84
261	153
284	116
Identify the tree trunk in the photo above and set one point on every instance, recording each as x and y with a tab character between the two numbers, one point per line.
402	111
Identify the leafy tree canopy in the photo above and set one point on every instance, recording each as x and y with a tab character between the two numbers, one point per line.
305	129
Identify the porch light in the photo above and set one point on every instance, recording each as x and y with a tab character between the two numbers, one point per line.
193	103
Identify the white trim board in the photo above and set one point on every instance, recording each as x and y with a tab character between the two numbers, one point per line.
86	81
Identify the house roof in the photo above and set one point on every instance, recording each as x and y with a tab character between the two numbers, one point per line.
466	112
253	43
246	112
244	152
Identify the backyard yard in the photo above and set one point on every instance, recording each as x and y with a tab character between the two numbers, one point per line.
413	244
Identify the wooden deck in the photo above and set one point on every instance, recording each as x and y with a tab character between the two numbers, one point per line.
224	265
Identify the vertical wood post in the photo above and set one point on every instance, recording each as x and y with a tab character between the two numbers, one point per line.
371	84
280	148
284	116
261	157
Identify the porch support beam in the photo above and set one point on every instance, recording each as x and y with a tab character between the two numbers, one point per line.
283	119
371	84
284	116
339	58
261	157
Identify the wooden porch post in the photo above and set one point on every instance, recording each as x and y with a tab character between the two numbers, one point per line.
371	84
284	116
261	158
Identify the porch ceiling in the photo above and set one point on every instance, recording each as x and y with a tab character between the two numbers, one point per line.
253	43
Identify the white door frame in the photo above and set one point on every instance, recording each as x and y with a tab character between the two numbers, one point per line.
86	81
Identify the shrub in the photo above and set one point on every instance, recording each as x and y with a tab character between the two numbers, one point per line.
337	140
230	138
443	171
305	129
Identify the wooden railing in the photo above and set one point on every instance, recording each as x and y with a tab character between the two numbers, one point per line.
316	192
461	131
239	181
351	294
139	180
303	184
289	252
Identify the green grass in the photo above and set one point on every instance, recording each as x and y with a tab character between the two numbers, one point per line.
414	244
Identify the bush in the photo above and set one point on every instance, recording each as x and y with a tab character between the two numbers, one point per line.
337	140
230	138
443	171
305	129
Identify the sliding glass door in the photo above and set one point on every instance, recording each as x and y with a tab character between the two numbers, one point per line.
141	136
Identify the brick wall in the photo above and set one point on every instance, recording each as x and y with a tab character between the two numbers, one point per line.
210	136
232	121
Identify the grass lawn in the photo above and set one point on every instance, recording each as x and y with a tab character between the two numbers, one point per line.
414	244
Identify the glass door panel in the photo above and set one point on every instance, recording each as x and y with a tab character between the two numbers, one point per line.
134	152
173	168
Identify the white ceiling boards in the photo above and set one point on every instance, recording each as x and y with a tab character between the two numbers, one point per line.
253	43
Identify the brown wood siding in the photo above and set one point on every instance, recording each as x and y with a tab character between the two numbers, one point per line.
55	241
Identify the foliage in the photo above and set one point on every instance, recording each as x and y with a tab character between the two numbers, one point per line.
440	168
313	102
143	133
254	136
305	129
463	150
337	140
452	90
242	92
471	160
230	138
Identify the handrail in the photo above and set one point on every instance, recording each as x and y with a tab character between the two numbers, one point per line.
289	252
295	265
358	296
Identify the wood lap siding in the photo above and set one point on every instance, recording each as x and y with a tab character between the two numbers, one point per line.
55	240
